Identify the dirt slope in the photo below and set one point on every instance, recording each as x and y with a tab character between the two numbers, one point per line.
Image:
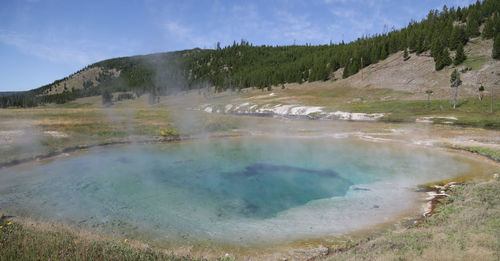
417	74
86	78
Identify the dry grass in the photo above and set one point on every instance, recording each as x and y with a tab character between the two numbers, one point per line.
80	79
27	133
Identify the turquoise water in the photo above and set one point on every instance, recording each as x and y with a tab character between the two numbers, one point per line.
243	191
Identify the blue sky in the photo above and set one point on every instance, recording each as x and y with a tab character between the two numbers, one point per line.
44	40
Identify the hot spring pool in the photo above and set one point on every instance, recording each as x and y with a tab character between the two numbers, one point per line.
241	191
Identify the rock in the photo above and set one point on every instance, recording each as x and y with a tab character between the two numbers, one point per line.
439	187
321	251
451	185
428	209
433	195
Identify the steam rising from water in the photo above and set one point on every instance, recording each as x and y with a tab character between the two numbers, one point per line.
241	191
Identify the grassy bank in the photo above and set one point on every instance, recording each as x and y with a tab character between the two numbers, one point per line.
20	241
465	226
487	152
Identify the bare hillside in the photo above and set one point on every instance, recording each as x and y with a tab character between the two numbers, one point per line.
86	78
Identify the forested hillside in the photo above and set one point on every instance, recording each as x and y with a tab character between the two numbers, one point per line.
243	65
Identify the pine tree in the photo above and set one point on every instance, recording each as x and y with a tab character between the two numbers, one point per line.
412	41
496	48
405	55
436	48
346	73
489	29
383	53
443	59
459	14
420	45
460	55
458	36
325	74
473	23
473	28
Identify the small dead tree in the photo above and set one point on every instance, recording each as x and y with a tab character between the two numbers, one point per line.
480	91
154	95
491	100
428	92
107	97
455	82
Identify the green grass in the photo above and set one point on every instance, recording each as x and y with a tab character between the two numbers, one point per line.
465	226
475	62
24	242
329	97
490	153
75	105
470	111
203	123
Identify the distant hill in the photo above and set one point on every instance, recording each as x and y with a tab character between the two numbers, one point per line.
2	94
243	65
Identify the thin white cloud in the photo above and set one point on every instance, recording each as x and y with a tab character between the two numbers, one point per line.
334	1
49	51
189	37
361	22
286	23
178	30
230	23
59	50
297	27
